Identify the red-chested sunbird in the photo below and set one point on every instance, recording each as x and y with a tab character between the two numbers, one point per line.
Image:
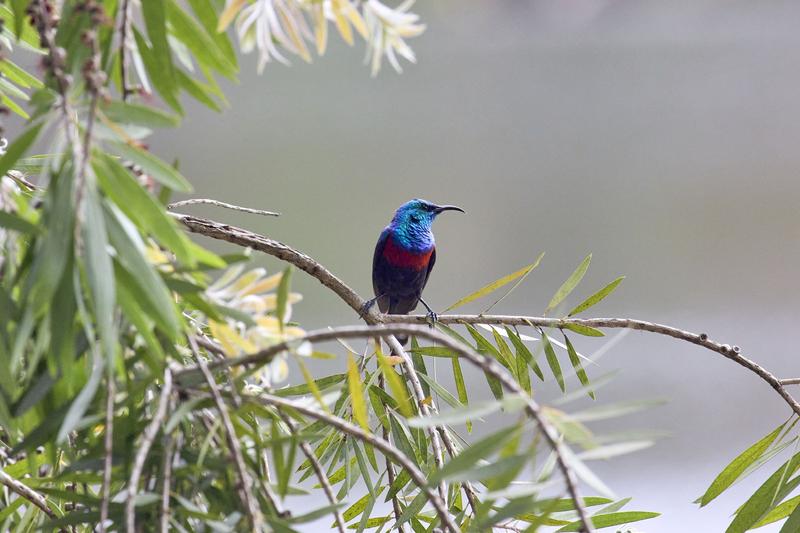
404	257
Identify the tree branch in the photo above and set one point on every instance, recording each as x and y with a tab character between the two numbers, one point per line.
385	447
149	436
26	492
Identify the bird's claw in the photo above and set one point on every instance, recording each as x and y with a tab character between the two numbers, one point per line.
364	311
432	318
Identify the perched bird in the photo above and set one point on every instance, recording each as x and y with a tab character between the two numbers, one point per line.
404	257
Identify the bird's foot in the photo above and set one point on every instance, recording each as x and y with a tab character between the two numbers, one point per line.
432	318
364	311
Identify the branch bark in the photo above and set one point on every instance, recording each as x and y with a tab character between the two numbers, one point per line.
26	492
150	433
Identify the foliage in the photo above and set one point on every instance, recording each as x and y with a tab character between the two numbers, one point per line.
125	397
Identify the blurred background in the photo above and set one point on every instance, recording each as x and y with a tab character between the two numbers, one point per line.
659	135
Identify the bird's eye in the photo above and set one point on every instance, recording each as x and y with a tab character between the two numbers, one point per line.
414	218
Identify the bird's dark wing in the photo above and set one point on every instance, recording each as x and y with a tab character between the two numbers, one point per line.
377	281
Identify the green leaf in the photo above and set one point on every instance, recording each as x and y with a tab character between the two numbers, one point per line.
779	512
568	286
734	470
493	286
517	284
13	222
118	184
81	403
160	69
552	361
100	273
139	275
612	519
360	505
18	148
399	392
199	91
312	385
460	415
524	352
470	456
584	330
139	115
576	364
763	498
596	297
492	469
283	296
793	523
461	387
613	410
154	167
357	393
203	47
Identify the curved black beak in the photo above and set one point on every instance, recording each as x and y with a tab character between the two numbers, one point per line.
440	208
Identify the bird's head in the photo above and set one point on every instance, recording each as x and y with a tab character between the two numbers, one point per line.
419	214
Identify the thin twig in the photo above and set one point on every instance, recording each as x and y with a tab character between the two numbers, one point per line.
124	30
380	444
108	442
790	381
217	203
318	470
389	468
248	500
166	487
148	437
26	492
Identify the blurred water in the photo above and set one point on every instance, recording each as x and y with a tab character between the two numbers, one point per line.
659	135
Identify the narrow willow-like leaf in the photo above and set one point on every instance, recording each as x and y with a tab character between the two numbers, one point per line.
576	364
160	69
524	352
460	415
552	361
570	284
596	297
469	457
18	148
283	296
401	438
779	512
493	286
762	499
584	330
413	509
358	507
357	393
312	385
793	523
517	284
157	169
399	391
100	273
229	13
201	45
603	412
735	468
16	223
443	393
613	450
491	470
139	115
612	519
321	384
461	387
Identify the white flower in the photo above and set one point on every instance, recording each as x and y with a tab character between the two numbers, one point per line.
387	30
264	23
